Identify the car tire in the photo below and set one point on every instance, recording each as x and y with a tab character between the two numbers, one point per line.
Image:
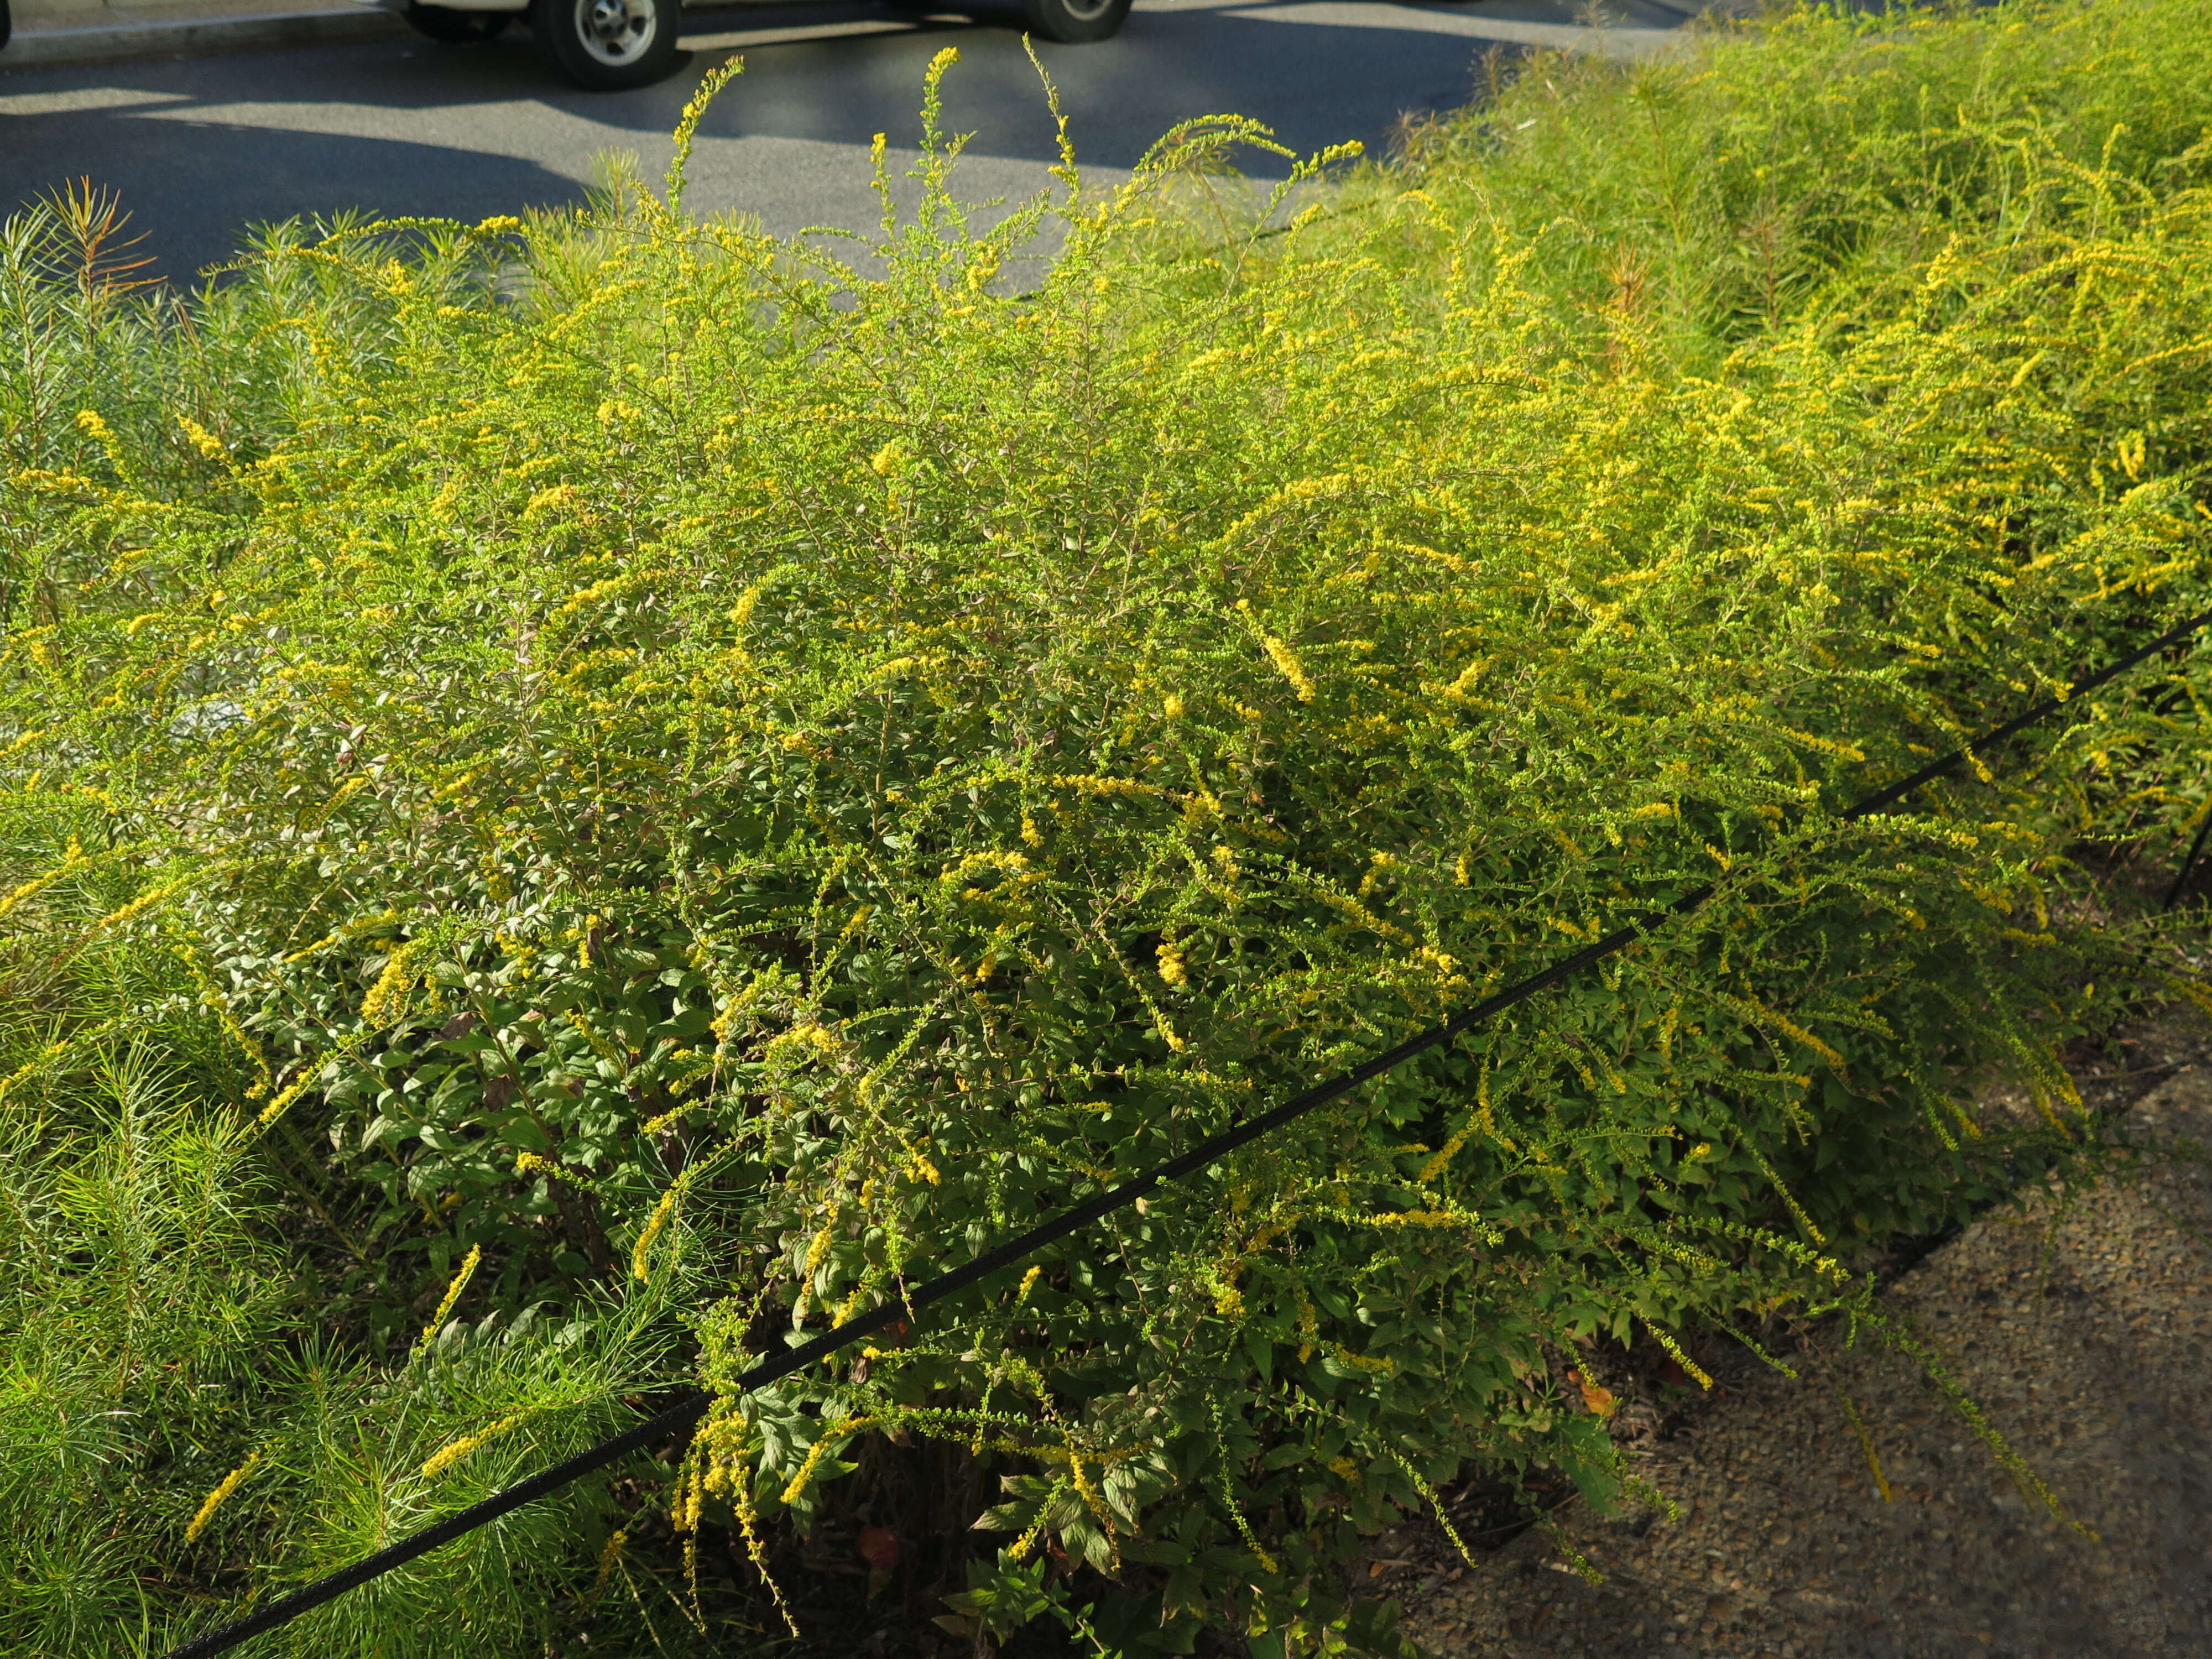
452	27
606	45
1075	20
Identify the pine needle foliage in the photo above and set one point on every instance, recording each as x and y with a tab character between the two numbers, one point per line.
714	777
176	1426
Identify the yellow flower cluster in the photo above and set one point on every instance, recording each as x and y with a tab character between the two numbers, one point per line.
215	1499
445	1457
387	997
654	1224
459	1283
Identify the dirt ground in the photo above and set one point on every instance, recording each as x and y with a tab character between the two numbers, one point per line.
2083	1328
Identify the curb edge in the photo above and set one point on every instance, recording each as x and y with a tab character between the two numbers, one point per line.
42	47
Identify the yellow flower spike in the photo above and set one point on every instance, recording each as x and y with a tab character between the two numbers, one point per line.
847	1308
1467	680
1228	1299
209	447
1760	1014
461	1282
73	859
291	1091
46	1056
680	1495
1286	662
214	1000
582	1024
215	1499
1444	1155
817	1252
1788	1198
687	125
1361	1362
817	1452
1690	1366
609	1557
1085	1491
445	1457
1027	1542
654	1224
1424	1219
142	903
531	1163
545	500
387	997
1010	863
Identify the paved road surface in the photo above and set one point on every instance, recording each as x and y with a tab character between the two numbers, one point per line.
202	146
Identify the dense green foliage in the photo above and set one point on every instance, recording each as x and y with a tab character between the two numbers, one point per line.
713	783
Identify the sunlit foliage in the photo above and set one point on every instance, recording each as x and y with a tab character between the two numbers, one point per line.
710	780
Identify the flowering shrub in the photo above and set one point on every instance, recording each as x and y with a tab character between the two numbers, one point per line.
696	770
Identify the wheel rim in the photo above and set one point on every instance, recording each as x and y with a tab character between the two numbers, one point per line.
616	32
1084	11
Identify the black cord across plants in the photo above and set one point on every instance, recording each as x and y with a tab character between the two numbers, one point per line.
694	1406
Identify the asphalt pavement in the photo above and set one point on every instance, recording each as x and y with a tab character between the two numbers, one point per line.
200	147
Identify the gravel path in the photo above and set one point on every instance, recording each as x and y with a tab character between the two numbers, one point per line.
2083	1328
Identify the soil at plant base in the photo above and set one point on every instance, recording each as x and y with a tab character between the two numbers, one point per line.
2081	1325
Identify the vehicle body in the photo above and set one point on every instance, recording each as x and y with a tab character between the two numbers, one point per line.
607	45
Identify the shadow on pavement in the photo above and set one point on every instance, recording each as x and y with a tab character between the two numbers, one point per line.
200	147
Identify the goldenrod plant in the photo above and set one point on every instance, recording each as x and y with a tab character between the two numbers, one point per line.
679	781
